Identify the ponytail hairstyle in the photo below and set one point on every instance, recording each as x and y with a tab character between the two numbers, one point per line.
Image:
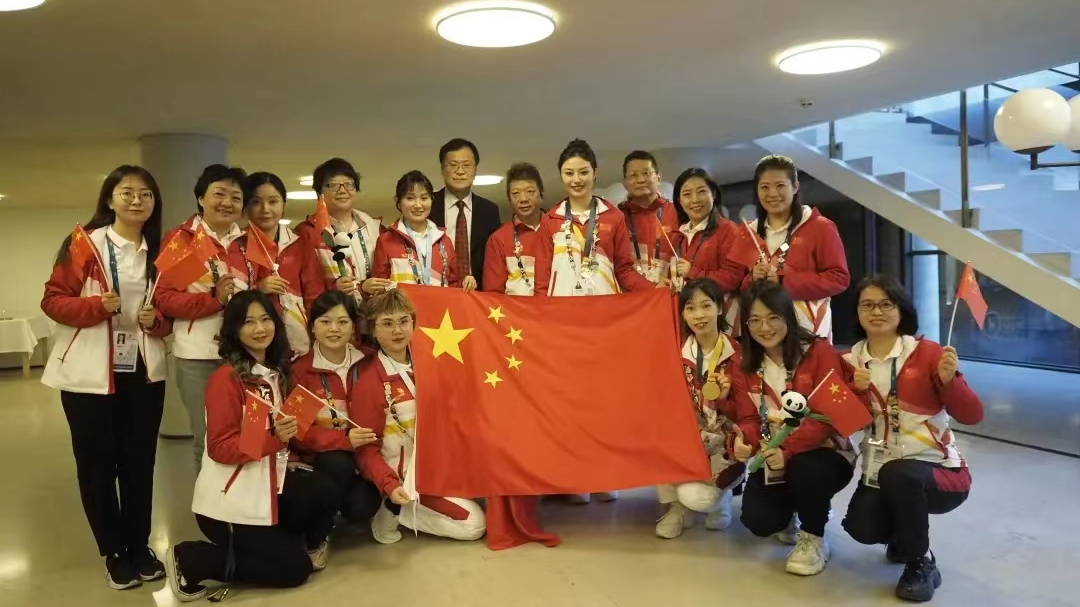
714	216
787	165
105	216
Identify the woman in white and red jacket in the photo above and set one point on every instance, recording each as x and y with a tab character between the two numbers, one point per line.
710	358
265	516
108	361
705	239
911	465
298	277
414	250
330	371
197	307
802	249
384	398
801	476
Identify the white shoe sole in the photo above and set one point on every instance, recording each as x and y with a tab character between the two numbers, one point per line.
133	584
174	583
806	570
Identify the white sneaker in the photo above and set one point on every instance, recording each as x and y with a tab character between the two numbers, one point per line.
673	522
790	536
720	519
607	496
384	527
320	556
809	556
578	499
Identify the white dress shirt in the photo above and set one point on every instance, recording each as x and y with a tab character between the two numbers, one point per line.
131	270
450	204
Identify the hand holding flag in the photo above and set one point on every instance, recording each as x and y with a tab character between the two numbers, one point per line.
82	249
969	291
261	250
305	407
747	250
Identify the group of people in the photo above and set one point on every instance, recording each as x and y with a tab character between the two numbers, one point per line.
327	317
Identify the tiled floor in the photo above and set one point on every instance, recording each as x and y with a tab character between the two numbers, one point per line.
1015	543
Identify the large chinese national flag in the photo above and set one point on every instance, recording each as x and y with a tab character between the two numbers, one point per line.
545	395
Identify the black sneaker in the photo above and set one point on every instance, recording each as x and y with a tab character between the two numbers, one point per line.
147	565
919	580
120	572
184	591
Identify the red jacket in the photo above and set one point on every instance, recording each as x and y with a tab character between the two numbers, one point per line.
370	229
819	359
613	241
367	407
739	411
306	375
501	272
392	261
708	255
815	266
643	220
297	263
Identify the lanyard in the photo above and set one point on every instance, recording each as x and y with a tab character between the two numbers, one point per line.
590	241
518	249
633	233
354	373
701	243
116	274
703	372
402	373
763	407
409	253
359	233
891	407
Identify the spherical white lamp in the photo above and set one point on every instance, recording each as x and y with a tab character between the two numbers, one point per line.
1071	139
1032	121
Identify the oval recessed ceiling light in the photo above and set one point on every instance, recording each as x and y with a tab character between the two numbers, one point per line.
19	5
302	195
307	180
487	180
495	24
830	57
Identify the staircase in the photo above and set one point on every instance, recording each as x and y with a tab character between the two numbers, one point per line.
1025	230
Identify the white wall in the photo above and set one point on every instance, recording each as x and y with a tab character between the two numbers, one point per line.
29	239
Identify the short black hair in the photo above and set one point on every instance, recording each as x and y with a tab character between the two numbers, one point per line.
330	300
777	299
578	148
219	172
711	290
523	171
330	169
909	318
639	155
262	178
455	144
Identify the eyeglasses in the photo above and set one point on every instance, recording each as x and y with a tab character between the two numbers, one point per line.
128	196
774	321
462	166
884	305
390	325
348	186
644	175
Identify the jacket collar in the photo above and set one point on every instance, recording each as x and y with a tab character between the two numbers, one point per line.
318	361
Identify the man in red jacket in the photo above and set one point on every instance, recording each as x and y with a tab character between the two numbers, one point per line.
646	210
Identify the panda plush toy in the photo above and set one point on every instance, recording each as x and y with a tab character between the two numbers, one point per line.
794	407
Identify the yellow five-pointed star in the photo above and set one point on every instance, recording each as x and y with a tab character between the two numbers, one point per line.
198	235
514	335
834	388
78	235
173	246
496	314
513	363
447	339
299	398
493	378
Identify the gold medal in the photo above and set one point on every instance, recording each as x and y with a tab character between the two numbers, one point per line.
711	389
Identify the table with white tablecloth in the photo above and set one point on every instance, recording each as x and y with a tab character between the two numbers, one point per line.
21	336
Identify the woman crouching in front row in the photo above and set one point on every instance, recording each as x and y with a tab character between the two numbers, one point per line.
384	399
258	513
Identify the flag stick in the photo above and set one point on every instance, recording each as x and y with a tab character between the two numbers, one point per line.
153	289
952	323
668	239
823	380
754	238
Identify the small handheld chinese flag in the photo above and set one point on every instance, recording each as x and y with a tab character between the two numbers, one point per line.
179	265
747	248
970	292
305	407
260	249
253	426
833	399
322	216
82	250
204	245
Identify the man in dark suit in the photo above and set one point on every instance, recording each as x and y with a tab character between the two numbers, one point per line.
464	216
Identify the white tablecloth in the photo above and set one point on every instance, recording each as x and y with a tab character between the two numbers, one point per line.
22	334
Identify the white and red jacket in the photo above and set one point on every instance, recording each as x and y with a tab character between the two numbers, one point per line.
708	257
925	404
231	486
81	357
396	258
358	257
814	268
652	251
196	309
615	264
380	400
315	373
297	263
502	273
817	361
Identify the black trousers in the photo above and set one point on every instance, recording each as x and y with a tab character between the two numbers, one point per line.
357	497
274	556
813	478
899	512
114	440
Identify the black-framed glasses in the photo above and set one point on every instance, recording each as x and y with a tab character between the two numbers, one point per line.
884	305
348	186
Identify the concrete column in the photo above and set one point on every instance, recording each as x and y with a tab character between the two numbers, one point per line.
176	161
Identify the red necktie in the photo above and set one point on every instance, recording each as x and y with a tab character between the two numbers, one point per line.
461	242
